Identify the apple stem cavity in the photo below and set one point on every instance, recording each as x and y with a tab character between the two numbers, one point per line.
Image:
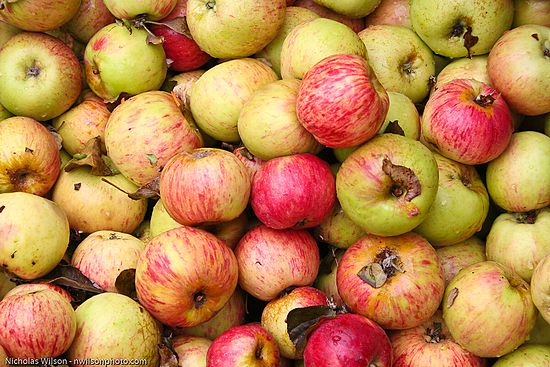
484	100
527	218
258	351
384	266
199	298
434	334
404	180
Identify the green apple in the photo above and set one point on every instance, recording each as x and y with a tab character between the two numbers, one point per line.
40	77
402	112
401	60
326	279
4	114
448	26
460	207
459	256
161	221
153	9
351	8
233	29
294	16
531	12
38	15
338	230
310	42
7	31
547	124
90	18
526	356
342	153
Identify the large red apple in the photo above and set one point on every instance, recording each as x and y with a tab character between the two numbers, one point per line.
341	102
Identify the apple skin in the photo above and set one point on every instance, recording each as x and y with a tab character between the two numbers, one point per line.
294	16
181	84
326	279
540	333
338	230
4	114
518	68
93	205
268	124
120	60
356	25
7	31
227	29
264	269
51	331
38	15
460	207
191	350
252	163
126	331
442	24
350	8
103	255
34	232
30	156
531	12
407	299
89	19
153	9
400	59
232	314
216	99
369	196
138	154
348	340
518	180
404	112
247	345
185	276
161	221
206	185
520	240
296	191
458	256
525	356
459	124
40	77
396	12
540	287
275	313
341	102
475	296
311	42
464	68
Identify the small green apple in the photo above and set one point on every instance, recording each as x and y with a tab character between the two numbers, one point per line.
351	8
526	356
338	230
402	112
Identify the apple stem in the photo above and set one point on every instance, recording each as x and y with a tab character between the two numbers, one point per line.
405	180
210	5
434	335
115	186
258	351
199	298
484	100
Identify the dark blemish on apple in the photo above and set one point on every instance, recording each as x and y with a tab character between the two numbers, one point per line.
259	263
484	100
33	263
394	128
28	150
13	255
535	36
527	218
258	351
404	180
2	208
141	309
199	299
210	5
77	186
470	40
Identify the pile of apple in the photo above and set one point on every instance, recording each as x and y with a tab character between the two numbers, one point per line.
268	183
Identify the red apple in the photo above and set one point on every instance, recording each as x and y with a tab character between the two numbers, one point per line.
90	18
341	102
191	350
185	276
37	287
355	24
272	260
348	340
38	15
296	191
467	121
458	256
396	12
395	281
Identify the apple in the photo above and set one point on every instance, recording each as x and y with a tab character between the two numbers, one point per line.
40	76
181	84
161	221
355	24
151	9
519	179
467	121
464	68
232	314
337	116
185	276
531	12
338	230
395	281
326	279
518	66
351	8
295	16
28	288
119	60
89	19
81	123
458	256
396	12
34	232
252	163
348	340
268	124
92	204
139	154
103	255
111	326
265	268
38	15
526	355
311	42
275	314
296	191
400	59
456	28
388	185
30	156
540	333
216	99
540	288
403	113
247	345
229	232
36	324
191	350
7	31
229	29
491	295
206	185
461	205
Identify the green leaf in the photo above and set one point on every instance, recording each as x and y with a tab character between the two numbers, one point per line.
152	159
373	274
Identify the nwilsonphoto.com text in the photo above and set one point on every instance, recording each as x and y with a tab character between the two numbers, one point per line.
65	361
